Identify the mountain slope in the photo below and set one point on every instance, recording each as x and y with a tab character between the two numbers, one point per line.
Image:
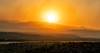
14	36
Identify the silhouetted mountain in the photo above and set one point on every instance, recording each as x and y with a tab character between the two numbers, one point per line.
87	33
14	36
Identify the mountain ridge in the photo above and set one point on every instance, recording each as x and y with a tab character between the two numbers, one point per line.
14	36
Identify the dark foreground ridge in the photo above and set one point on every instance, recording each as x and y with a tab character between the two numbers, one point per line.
51	47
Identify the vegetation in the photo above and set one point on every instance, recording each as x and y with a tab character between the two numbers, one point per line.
51	47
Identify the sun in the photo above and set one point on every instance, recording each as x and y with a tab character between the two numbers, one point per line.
51	17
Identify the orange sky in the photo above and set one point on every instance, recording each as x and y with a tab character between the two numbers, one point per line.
71	12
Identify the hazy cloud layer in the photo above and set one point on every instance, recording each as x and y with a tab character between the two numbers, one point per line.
27	28
87	10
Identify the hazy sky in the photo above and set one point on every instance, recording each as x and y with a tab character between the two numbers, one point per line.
87	11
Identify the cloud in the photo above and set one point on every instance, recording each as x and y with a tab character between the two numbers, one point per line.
15	27
87	11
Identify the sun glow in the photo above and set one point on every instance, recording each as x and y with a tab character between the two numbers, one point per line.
51	17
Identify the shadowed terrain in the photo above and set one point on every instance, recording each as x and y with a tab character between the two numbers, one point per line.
51	47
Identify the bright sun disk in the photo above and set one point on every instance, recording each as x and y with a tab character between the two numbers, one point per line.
51	17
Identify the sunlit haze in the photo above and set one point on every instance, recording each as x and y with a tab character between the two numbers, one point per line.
49	15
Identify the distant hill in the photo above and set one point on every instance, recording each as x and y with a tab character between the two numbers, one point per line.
87	33
15	36
11	30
